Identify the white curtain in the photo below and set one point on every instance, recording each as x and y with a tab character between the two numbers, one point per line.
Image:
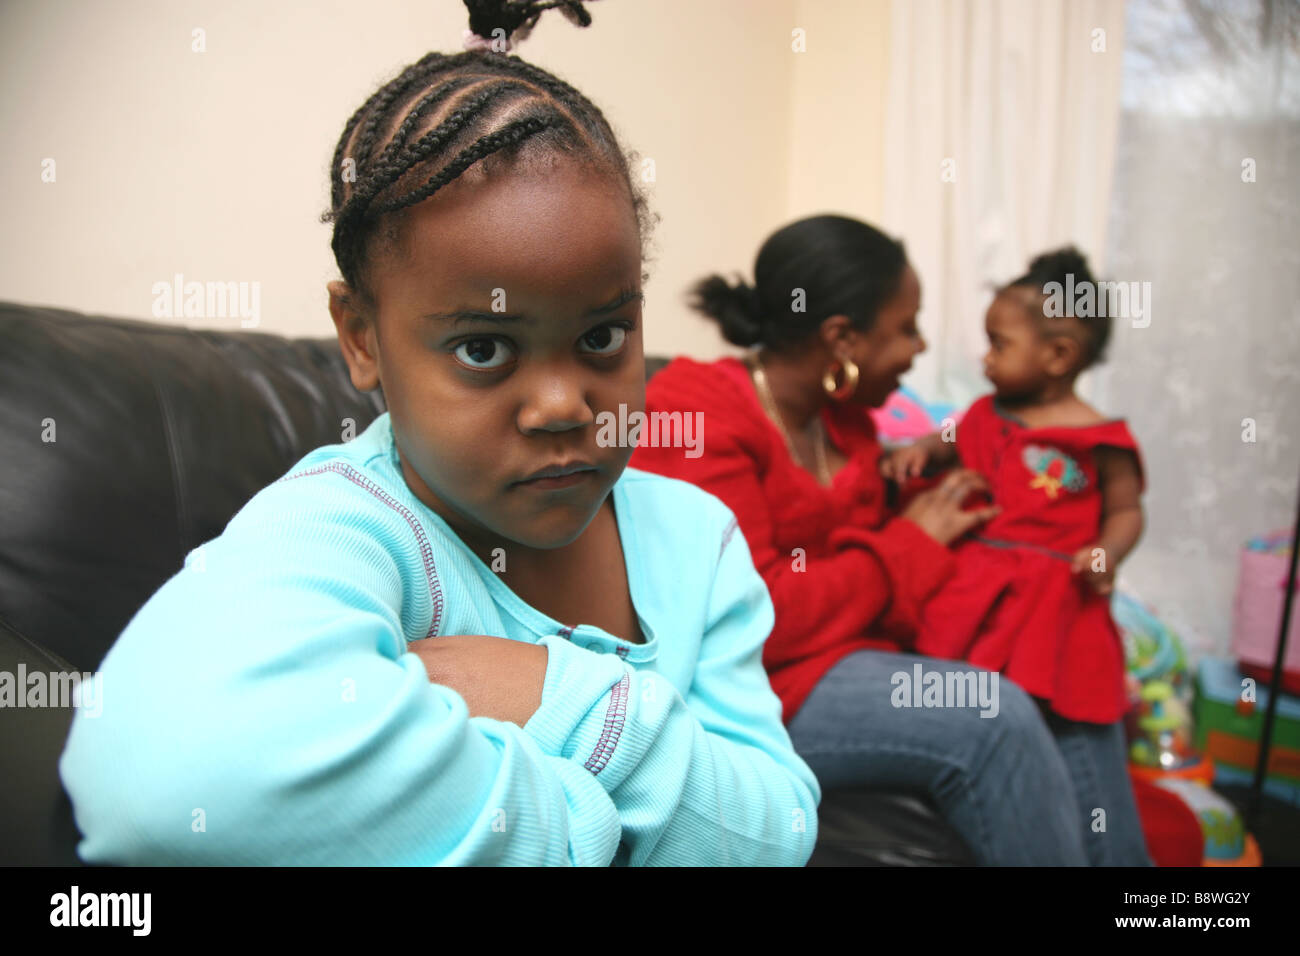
999	140
1206	207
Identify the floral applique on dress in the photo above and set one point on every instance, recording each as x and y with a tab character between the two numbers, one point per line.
1053	470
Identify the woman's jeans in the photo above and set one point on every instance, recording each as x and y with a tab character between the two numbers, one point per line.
1016	796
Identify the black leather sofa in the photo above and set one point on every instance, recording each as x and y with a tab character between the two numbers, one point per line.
123	446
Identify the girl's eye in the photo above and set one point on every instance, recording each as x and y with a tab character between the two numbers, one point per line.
483	353
605	340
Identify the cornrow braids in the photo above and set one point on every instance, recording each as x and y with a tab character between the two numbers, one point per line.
447	113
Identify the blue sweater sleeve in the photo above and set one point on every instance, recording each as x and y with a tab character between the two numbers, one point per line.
701	779
261	708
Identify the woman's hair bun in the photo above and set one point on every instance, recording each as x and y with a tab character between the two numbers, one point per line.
735	308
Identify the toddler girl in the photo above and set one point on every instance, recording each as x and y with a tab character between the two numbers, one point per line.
1030	596
471	634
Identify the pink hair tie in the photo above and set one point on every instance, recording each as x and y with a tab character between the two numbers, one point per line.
473	41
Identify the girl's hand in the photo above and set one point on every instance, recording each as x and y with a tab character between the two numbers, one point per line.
903	463
938	512
1085	562
498	677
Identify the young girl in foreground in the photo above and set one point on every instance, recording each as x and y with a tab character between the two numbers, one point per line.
1030	596
470	635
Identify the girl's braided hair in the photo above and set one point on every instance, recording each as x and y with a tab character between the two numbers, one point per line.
447	112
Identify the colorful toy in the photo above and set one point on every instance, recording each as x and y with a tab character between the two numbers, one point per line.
1226	841
1160	724
905	417
1229	717
1185	822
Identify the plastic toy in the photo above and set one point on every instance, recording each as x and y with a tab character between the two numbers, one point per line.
905	417
1190	821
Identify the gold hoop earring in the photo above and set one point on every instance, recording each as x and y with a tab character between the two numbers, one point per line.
841	392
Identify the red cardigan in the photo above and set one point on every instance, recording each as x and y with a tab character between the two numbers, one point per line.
842	576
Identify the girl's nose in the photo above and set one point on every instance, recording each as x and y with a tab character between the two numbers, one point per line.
555	403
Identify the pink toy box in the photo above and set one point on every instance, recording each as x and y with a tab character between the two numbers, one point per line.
1257	611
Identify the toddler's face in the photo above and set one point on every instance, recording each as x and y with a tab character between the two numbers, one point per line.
1017	354
511	320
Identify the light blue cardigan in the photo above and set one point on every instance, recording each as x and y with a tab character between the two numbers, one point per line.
261	707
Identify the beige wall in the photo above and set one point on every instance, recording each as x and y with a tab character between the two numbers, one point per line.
214	164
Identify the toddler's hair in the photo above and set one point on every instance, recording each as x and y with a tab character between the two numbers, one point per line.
806	272
448	112
1057	266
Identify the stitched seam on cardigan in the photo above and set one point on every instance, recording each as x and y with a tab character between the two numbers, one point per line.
726	536
615	715
426	550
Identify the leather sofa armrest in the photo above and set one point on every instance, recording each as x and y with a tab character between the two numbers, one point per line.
36	825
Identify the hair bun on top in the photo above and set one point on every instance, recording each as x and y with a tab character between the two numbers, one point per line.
518	17
1054	266
735	308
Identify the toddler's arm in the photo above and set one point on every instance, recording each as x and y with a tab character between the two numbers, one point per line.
911	460
1121	518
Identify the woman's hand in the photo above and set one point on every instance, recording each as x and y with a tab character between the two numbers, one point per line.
938	512
498	677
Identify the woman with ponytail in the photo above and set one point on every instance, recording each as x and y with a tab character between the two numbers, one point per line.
831	323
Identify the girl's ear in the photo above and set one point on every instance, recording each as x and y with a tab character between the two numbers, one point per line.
1063	355
358	338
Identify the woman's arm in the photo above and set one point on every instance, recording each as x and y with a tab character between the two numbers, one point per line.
261	709
826	591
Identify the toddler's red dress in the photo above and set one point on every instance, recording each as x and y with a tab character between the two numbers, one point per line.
1013	604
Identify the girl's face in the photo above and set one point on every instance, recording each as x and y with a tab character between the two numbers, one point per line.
1018	359
508	323
884	353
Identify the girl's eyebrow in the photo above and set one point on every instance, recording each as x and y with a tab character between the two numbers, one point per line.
477	315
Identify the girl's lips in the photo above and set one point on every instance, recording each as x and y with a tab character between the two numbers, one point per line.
561	481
